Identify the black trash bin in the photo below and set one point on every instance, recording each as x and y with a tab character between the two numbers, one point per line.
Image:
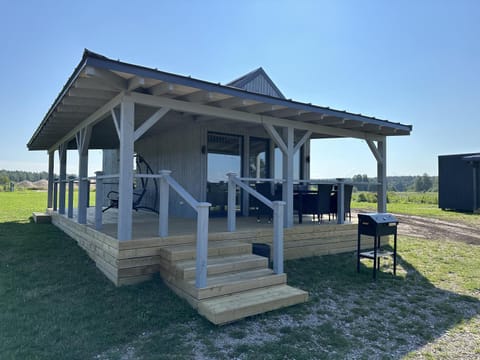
261	250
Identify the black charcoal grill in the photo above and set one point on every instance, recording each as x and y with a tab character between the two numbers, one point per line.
377	225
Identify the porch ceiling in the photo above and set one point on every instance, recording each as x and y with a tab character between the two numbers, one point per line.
98	83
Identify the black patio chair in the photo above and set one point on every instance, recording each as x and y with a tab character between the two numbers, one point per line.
316	203
265	189
139	191
347	200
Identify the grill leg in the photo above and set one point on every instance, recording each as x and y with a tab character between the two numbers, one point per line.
358	252
395	254
375	258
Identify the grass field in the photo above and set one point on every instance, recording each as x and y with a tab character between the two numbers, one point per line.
57	305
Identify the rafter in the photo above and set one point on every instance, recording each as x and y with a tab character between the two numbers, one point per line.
92	84
135	83
234	102
107	77
76	109
80	101
91	93
200	109
262	108
90	120
161	89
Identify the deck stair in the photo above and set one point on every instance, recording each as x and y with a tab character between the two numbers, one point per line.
239	283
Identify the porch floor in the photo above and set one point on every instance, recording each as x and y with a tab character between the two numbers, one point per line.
239	283
145	223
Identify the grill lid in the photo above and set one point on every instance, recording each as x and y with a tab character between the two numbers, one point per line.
379	218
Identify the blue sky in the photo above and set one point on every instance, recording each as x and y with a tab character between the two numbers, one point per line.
414	62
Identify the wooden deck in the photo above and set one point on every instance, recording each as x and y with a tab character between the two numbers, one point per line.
239	283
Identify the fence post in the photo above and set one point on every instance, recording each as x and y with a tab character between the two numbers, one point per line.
340	201
278	210
163	203
231	204
98	200
202	245
70	197
55	194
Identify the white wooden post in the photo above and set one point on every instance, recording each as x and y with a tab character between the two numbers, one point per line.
340	201
83	140
163	203
51	161
55	194
62	153
231	208
70	197
245	196
278	207
202	245
382	176
125	186
98	200
289	178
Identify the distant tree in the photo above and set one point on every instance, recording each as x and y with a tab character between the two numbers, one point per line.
427	182
4	180
423	183
363	179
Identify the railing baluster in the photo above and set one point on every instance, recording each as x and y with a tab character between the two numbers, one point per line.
202	245
163	203
278	210
70	197
278	221
231	204
55	194
98	200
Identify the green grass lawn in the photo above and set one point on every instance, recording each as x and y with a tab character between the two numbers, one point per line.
55	304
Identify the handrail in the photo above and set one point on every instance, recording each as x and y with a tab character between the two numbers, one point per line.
335	181
276	206
202	209
182	192
263	180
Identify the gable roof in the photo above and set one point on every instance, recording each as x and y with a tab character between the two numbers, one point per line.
259	82
98	83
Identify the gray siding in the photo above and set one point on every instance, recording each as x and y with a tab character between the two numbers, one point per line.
178	150
261	85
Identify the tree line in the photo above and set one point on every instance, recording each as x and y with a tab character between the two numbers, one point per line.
6	176
419	183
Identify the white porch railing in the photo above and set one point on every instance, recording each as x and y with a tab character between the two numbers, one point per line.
202	209
276	206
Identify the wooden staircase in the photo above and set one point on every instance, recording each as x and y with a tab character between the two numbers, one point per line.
239	283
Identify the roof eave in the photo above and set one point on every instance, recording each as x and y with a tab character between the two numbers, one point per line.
228	90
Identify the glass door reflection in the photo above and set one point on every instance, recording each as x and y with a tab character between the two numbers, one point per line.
224	156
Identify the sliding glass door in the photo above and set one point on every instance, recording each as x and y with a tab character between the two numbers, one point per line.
224	156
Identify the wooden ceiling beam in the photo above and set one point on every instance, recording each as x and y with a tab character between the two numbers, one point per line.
92	84
91	93
135	83
106	77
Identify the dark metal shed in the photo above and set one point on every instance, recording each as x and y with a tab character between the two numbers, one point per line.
459	182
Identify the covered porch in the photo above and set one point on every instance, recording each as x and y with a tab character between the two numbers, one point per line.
176	123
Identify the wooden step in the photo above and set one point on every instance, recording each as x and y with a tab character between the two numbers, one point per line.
219	265
225	284
217	248
225	309
41	218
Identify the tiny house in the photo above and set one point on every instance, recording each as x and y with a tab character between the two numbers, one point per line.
459	182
